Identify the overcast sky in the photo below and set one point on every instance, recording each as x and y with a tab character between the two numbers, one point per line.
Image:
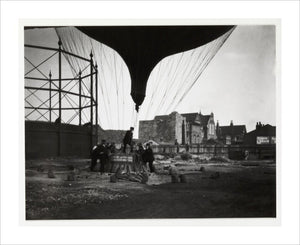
238	84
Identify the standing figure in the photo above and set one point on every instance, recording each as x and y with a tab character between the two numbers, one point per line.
94	156
113	147
148	157
187	147
99	152
103	156
138	157
246	154
128	139
177	145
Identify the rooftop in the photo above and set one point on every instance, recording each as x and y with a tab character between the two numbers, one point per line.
264	130
233	130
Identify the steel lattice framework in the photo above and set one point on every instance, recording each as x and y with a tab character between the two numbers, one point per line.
58	86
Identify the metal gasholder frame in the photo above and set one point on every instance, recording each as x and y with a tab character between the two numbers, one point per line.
55	89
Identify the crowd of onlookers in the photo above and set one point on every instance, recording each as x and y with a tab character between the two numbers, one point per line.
142	155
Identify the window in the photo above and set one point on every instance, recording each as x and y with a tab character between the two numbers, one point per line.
228	140
211	129
273	140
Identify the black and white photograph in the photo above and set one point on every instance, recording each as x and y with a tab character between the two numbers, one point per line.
150	121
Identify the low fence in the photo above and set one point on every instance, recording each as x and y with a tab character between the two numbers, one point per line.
128	161
236	152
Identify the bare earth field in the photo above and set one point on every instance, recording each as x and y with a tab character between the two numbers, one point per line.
243	189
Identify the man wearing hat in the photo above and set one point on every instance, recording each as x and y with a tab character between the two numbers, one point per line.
99	152
128	139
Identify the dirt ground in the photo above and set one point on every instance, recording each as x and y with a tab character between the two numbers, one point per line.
242	189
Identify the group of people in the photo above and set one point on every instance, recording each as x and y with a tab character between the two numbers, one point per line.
142	156
101	152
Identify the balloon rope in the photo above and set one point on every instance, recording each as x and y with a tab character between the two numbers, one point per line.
117	89
180	82
108	104
216	46
154	91
186	77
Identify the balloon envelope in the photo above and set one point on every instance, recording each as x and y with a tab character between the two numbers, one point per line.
142	47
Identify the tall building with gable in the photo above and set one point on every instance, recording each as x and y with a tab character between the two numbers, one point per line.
187	128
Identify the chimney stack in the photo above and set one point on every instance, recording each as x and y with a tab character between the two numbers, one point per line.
259	125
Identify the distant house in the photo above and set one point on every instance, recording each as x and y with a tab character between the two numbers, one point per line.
193	130
262	135
232	134
163	129
188	128
199	128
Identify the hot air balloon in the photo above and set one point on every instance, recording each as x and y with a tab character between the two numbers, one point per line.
160	61
150	63
142	47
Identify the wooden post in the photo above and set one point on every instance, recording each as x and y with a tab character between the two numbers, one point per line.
50	105
79	97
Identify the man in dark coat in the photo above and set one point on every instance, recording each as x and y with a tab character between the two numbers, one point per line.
148	157
128	139
99	152
138	157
